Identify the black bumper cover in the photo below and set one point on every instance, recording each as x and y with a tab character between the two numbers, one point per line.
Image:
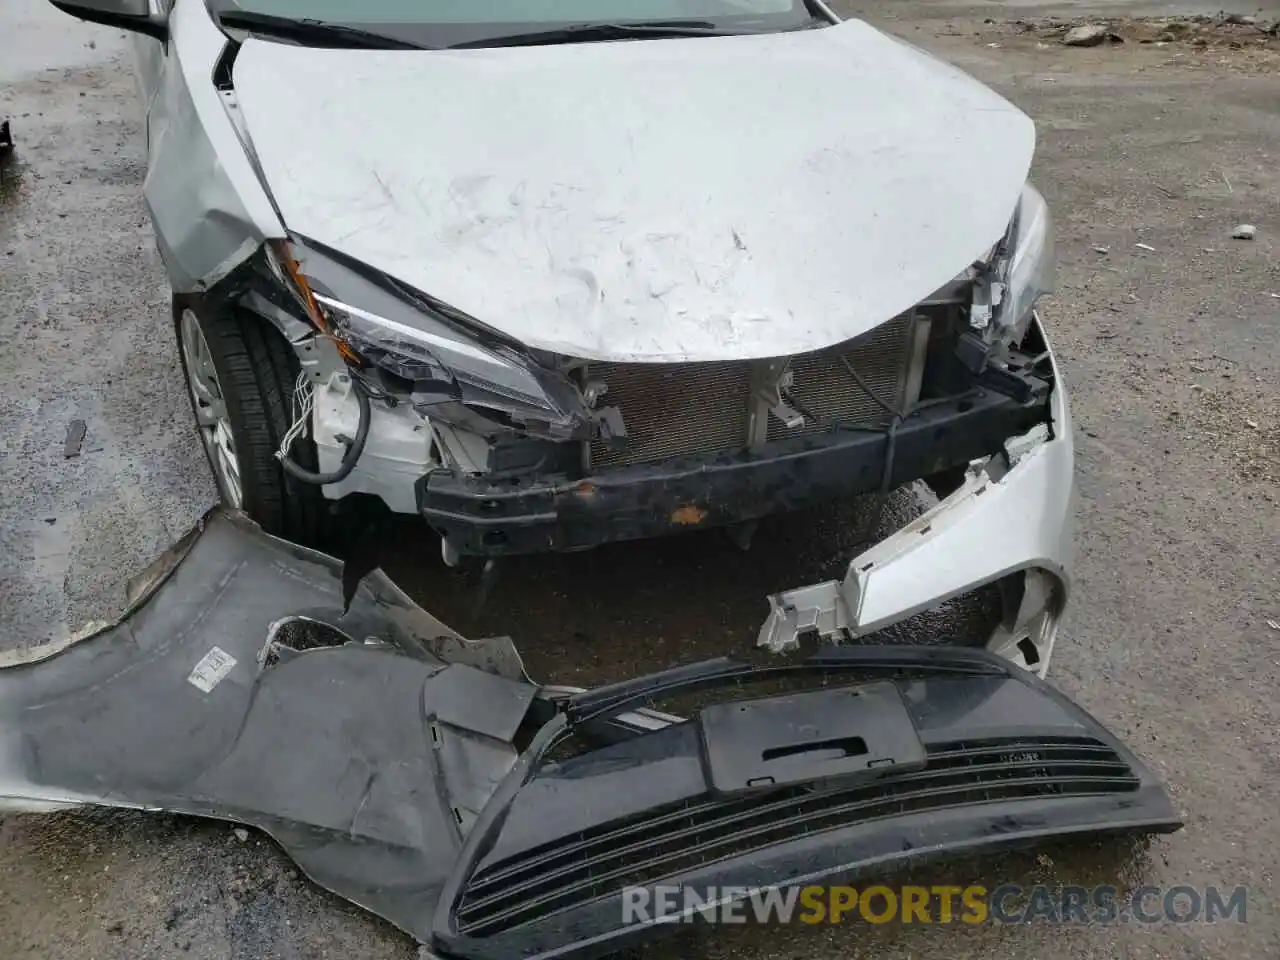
406	769
983	756
482	517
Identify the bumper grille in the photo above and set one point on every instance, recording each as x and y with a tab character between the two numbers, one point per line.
691	409
667	842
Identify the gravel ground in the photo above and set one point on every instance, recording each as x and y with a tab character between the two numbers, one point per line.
1150	155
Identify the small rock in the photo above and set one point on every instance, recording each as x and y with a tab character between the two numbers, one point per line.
1145	246
1090	35
1274	624
1246	231
241	834
1251	424
1240	19
1101	249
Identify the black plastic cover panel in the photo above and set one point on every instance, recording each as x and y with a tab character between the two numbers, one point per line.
808	737
365	760
378	748
991	756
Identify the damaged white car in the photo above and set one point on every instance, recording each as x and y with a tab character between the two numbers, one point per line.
552	274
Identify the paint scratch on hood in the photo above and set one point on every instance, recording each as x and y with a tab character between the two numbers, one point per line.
716	210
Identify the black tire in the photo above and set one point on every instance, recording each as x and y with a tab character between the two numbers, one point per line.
257	371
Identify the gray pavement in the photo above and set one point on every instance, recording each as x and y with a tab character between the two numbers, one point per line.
1175	376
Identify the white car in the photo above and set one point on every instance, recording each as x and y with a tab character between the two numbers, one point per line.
552	273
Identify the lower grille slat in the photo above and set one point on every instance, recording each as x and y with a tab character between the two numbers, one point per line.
665	843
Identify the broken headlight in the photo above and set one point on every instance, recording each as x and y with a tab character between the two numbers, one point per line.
424	346
1020	272
1031	271
420	355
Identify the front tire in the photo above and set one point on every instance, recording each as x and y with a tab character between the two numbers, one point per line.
240	375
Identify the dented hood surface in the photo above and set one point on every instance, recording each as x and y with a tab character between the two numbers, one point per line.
659	200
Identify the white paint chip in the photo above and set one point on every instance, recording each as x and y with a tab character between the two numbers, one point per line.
211	670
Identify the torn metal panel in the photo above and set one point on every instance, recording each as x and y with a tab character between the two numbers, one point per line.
184	705
208	206
533	203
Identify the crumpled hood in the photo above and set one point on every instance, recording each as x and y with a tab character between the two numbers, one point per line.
659	200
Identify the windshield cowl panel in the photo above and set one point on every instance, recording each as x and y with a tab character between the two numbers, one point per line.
434	24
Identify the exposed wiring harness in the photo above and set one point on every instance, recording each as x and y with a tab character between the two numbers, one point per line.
302	406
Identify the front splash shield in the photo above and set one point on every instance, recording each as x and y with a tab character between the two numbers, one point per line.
418	774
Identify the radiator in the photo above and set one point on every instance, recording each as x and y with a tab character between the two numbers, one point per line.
689	409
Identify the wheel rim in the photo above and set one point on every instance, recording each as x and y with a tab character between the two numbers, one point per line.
211	410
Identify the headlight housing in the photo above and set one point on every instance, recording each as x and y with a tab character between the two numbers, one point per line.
1032	271
428	347
1021	270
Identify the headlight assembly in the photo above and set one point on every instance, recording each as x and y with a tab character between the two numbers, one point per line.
1031	270
426	347
1020	272
418	354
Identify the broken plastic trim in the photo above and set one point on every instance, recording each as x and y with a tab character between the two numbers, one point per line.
436	353
1020	270
937	751
829	610
406	789
910	570
182	705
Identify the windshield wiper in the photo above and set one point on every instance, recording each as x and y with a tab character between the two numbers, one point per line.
590	32
316	33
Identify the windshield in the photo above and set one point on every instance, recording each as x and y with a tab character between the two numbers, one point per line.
446	23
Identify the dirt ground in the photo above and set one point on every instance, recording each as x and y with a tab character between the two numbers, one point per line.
1150	153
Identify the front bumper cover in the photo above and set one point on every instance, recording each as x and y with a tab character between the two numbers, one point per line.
379	749
961	751
1011	519
480	516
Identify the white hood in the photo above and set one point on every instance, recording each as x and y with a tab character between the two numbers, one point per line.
657	200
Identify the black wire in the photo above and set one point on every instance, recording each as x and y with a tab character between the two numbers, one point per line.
897	417
353	451
888	407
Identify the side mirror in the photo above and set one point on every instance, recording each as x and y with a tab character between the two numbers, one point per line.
135	15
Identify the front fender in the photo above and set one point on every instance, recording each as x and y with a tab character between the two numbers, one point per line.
209	208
